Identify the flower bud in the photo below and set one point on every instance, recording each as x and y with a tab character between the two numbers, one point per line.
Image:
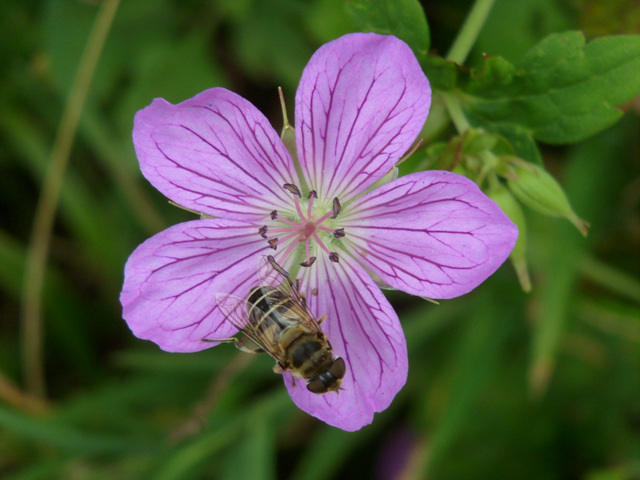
537	189
509	205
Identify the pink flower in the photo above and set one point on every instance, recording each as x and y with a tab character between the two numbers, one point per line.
361	103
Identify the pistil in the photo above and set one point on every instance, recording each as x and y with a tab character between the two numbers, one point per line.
303	229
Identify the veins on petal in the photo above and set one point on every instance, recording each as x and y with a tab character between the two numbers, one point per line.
264	156
357	308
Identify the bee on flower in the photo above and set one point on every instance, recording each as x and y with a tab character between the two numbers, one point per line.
361	103
275	320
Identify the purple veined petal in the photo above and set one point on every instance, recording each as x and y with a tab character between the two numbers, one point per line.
365	331
214	153
362	101
432	234
171	281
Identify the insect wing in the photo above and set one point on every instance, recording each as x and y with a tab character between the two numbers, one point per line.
272	274
277	277
234	309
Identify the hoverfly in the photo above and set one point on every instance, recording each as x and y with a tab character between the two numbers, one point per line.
274	319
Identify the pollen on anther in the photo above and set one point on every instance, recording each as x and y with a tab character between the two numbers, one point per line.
273	214
273	243
336	207
290	187
263	231
309	262
339	233
334	257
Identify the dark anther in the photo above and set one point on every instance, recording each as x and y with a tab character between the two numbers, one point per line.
333	256
314	292
313	194
277	267
336	207
308	263
339	233
273	243
263	231
273	214
292	188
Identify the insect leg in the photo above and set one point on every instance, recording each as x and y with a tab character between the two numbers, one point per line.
303	296
238	343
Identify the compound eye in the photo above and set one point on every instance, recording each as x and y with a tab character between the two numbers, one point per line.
338	368
316	385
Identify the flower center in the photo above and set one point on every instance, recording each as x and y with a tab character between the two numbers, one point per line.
309	222
307	231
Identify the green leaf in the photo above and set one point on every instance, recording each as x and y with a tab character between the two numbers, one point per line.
269	46
257	443
62	305
442	74
197	451
588	182
524	23
522	142
473	367
67	26
64	436
403	18
562	92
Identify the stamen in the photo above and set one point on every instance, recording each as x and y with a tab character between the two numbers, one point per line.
273	243
322	245
334	257
299	209
314	292
322	219
294	228
336	207
263	231
312	194
289	237
274	214
339	233
289	249
326	229
309	262
277	267
292	189
288	222
306	249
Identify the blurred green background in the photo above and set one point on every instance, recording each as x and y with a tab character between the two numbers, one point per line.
502	384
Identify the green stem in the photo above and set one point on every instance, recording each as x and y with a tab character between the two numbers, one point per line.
454	108
470	30
31	304
616	280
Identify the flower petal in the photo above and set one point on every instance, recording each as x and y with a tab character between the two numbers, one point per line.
363	330
362	101
432	234
172	278
215	154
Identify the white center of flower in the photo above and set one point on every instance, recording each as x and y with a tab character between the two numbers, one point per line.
310	222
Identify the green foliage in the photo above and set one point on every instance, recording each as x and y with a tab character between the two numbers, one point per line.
502	384
403	18
563	91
